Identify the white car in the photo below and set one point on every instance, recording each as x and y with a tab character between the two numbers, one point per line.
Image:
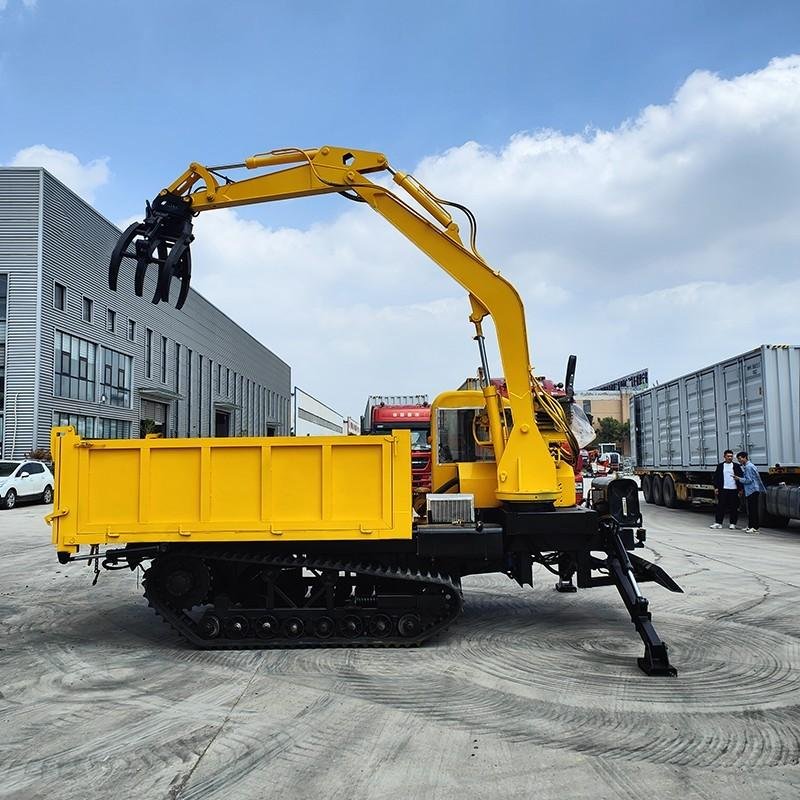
25	480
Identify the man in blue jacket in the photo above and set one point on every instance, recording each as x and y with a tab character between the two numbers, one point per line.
753	487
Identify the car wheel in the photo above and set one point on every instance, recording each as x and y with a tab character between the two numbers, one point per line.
647	488
47	495
11	499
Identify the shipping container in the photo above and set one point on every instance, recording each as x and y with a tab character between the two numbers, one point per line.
749	402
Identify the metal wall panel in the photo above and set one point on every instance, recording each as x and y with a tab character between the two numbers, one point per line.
75	245
20	258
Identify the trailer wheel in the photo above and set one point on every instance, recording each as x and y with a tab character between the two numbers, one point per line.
658	490
647	488
668	493
767	519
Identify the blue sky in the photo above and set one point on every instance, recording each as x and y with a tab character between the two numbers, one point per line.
153	85
134	91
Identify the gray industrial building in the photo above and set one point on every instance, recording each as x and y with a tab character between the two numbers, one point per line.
110	363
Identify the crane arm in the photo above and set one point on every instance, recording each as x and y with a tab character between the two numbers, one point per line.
525	469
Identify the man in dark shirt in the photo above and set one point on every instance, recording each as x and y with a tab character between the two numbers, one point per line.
727	491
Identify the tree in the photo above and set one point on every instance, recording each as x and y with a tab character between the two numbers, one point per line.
609	430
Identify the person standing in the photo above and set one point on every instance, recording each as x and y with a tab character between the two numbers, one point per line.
726	491
753	487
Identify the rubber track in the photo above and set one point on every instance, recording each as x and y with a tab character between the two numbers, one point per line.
185	625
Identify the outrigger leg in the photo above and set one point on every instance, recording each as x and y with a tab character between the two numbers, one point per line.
622	571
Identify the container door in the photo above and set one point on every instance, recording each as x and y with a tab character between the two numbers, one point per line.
755	427
662	428
734	406
708	419
694	431
674	424
644	430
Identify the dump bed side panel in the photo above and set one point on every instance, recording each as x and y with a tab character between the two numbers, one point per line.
249	489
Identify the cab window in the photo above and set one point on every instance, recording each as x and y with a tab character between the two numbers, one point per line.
456	430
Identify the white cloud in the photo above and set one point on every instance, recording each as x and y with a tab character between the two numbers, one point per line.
29	4
84	179
668	242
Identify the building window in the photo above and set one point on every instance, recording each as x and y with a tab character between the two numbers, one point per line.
113	429
83	425
148	353
74	367
177	368
116	378
87	309
111	320
131	330
163	359
60	296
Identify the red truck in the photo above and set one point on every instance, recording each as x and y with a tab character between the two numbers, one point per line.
411	412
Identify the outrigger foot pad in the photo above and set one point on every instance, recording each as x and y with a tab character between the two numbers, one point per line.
163	240
656	662
566	587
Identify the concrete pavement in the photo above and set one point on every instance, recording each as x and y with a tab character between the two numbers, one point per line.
531	694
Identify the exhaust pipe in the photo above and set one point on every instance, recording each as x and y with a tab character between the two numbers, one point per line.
163	239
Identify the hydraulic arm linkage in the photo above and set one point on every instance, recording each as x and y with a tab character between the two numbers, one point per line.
525	470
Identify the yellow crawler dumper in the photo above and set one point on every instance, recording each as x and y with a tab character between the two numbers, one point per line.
314	544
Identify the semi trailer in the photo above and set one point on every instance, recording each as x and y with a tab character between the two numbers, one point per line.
749	402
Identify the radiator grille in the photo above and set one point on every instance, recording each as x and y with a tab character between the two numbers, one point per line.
451	508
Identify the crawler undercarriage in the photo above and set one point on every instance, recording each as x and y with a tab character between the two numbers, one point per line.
257	595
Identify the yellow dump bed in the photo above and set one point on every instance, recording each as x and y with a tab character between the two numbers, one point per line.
211	490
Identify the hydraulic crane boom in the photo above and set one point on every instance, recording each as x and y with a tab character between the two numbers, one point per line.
525	468
325	551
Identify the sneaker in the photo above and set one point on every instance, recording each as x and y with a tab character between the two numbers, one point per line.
732	528
751	530
715	527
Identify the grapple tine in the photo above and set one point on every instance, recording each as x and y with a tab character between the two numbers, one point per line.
168	268
186	276
159	294
119	252
142	263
